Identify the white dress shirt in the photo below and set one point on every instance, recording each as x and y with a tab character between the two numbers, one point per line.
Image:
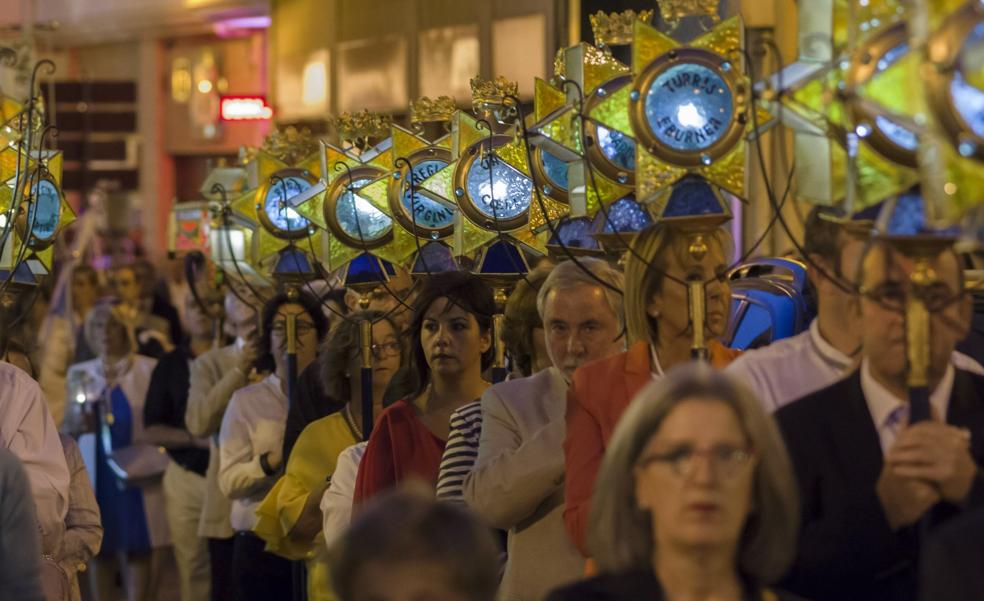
794	367
253	424
336	504
883	405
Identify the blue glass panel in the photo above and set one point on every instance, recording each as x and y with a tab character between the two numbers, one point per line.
624	215
504	195
277	207
502	257
426	211
617	148
44	210
574	233
358	218
365	269
692	196
293	261
555	169
434	257
689	107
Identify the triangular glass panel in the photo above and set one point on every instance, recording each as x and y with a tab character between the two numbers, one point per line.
503	258
434	257
693	196
624	215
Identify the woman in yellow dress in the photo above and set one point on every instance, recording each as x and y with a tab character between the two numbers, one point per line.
289	518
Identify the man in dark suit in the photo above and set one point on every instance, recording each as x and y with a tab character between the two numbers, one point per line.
872	485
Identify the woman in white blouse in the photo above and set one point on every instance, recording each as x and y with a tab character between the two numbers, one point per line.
251	444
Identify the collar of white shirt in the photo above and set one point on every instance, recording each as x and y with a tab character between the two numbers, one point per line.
828	353
881	402
655	368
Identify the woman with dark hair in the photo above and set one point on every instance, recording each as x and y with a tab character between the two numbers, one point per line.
289	518
251	442
450	347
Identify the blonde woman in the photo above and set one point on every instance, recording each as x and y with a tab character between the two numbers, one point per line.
657	321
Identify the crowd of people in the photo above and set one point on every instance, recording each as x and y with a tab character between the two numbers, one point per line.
608	465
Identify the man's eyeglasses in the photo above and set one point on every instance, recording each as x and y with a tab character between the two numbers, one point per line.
386	349
727	460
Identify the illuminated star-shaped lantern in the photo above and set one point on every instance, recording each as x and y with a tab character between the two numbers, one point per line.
419	216
953	82
489	176
689	109
354	224
40	211
833	98
282	176
610	151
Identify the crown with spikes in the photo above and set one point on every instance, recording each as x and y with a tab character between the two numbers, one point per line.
615	29
426	110
290	145
674	10
492	92
358	128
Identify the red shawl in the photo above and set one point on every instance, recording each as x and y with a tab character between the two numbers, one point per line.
399	447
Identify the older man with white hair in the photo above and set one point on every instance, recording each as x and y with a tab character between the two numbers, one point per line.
517	483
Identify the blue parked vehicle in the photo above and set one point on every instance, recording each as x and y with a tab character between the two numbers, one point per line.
771	299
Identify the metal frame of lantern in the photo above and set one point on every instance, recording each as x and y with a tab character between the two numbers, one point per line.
724	141
595	152
549	186
944	50
269	186
399	187
870	59
345	187
485	150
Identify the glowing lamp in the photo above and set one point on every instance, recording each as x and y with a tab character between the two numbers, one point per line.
244	108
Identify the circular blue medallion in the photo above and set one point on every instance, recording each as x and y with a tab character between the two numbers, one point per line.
358	218
689	107
617	148
277	205
505	194
426	212
555	170
44	211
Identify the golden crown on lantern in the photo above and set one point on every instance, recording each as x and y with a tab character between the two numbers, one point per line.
492	91
426	110
288	144
674	10
359	127
615	29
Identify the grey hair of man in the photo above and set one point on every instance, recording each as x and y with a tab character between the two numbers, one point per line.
588	271
620	533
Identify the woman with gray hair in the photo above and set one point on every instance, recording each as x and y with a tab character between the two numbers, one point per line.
695	498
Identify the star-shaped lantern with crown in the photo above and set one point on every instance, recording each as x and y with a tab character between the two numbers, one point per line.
415	159
489	176
282	176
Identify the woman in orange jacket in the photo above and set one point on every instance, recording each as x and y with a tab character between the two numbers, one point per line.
657	318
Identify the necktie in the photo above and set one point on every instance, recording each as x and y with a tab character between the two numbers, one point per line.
893	423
